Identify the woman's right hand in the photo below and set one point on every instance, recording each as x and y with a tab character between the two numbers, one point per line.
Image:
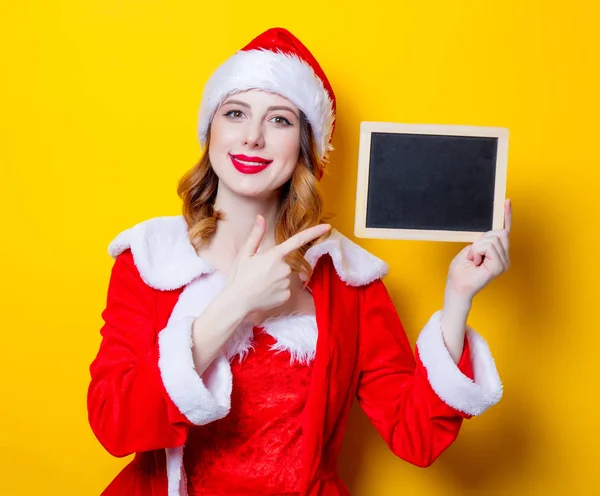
261	281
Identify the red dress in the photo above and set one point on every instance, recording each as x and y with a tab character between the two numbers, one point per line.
257	447
145	396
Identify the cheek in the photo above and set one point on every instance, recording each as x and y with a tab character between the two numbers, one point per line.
222	140
289	153
289	150
221	135
217	152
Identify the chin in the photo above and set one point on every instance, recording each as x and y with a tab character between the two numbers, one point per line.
249	187
249	192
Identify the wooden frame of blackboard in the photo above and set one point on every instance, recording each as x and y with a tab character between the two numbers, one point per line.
368	128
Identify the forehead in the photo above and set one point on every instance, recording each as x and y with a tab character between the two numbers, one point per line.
260	98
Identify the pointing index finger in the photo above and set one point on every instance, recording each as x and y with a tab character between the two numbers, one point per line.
300	239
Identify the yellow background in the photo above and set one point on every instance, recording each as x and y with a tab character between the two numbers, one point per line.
98	101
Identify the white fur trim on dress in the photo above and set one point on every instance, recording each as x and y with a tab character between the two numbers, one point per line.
472	397
190	394
296	334
284	74
201	399
162	252
355	265
175	479
167	260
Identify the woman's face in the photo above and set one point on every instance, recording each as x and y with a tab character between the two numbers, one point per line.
255	143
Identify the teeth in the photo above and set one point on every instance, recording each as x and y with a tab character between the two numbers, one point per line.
245	162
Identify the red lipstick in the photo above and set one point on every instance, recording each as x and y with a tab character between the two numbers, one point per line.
249	165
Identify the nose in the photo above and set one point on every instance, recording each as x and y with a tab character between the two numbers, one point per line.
254	135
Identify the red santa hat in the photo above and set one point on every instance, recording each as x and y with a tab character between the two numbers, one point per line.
275	61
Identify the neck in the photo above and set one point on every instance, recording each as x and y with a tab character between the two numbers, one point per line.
239	216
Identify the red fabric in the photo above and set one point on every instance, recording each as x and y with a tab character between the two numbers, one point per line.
362	350
257	447
129	408
394	391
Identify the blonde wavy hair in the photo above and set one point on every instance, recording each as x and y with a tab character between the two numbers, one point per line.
301	202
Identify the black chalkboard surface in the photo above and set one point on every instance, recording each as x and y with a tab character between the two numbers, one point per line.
430	182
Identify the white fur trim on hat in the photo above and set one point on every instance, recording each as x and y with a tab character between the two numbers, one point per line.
449	383
284	74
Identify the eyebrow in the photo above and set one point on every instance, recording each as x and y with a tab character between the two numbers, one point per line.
276	107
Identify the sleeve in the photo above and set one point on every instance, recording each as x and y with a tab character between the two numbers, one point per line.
418	403
144	393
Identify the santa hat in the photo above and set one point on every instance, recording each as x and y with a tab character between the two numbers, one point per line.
277	62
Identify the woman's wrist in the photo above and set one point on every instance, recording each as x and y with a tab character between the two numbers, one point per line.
454	321
212	328
234	307
457	303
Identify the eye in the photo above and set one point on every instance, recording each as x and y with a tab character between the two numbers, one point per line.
282	121
236	114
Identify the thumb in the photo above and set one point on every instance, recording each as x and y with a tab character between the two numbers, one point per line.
474	256
470	256
254	239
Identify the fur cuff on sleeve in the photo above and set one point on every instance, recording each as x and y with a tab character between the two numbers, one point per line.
458	391
201	399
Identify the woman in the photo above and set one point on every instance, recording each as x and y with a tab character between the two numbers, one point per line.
237	335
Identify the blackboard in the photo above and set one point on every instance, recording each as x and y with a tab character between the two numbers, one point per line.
430	182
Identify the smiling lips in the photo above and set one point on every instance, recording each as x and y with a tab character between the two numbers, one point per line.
249	165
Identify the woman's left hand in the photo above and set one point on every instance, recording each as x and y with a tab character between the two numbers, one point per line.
481	262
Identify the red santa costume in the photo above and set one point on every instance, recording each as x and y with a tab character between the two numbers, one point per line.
268	415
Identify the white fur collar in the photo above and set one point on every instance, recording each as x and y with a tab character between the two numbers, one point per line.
167	260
